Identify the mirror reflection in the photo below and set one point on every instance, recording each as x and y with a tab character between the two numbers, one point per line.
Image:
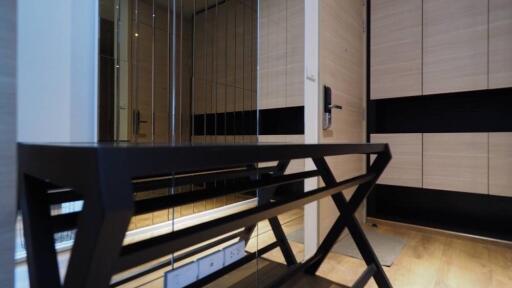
178	71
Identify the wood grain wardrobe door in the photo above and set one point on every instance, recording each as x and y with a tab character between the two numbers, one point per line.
406	165
500	164
454	45
395	48
500	43
456	162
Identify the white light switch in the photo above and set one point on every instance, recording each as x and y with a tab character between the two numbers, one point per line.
182	276
234	252
310	75
210	263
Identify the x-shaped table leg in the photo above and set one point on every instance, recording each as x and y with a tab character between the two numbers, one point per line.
265	197
347	219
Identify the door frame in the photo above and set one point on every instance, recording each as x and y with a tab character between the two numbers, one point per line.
311	117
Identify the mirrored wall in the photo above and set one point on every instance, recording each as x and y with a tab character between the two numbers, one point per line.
184	71
179	71
204	72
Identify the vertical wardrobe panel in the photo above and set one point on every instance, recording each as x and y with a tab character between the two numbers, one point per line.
500	43
454	45
500	164
395	48
456	162
406	164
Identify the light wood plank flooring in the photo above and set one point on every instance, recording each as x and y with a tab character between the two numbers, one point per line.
429	259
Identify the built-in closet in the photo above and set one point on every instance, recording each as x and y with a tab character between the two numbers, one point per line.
440	82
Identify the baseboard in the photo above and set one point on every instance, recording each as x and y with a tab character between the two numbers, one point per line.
467	213
423	229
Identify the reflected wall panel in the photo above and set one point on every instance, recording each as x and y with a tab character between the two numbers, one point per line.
224	98
281	54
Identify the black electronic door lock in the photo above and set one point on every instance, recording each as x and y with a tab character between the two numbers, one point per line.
328	106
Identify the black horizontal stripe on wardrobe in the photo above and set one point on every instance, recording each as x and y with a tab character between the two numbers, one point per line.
276	121
470	111
476	214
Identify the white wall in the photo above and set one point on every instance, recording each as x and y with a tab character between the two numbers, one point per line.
311	117
7	139
57	70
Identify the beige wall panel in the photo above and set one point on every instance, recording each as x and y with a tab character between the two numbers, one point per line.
199	64
221	44
396	48
142	74
185	92
230	31
249	45
151	89
225	60
295	53
161	128
454	45
185	74
456	162
500	164
272	54
341	67
144	11
281	54
405	168
500	43
239	42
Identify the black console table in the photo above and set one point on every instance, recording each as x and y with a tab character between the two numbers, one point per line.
105	176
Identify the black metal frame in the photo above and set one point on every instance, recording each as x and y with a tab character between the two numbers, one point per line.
105	176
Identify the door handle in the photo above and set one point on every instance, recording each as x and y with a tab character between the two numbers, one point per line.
328	106
137	121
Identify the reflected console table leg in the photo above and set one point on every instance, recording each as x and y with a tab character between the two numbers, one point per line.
264	196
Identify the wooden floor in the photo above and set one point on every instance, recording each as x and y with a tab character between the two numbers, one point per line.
267	273
429	259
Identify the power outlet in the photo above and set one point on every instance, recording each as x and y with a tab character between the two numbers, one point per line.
234	252
210	263
182	276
